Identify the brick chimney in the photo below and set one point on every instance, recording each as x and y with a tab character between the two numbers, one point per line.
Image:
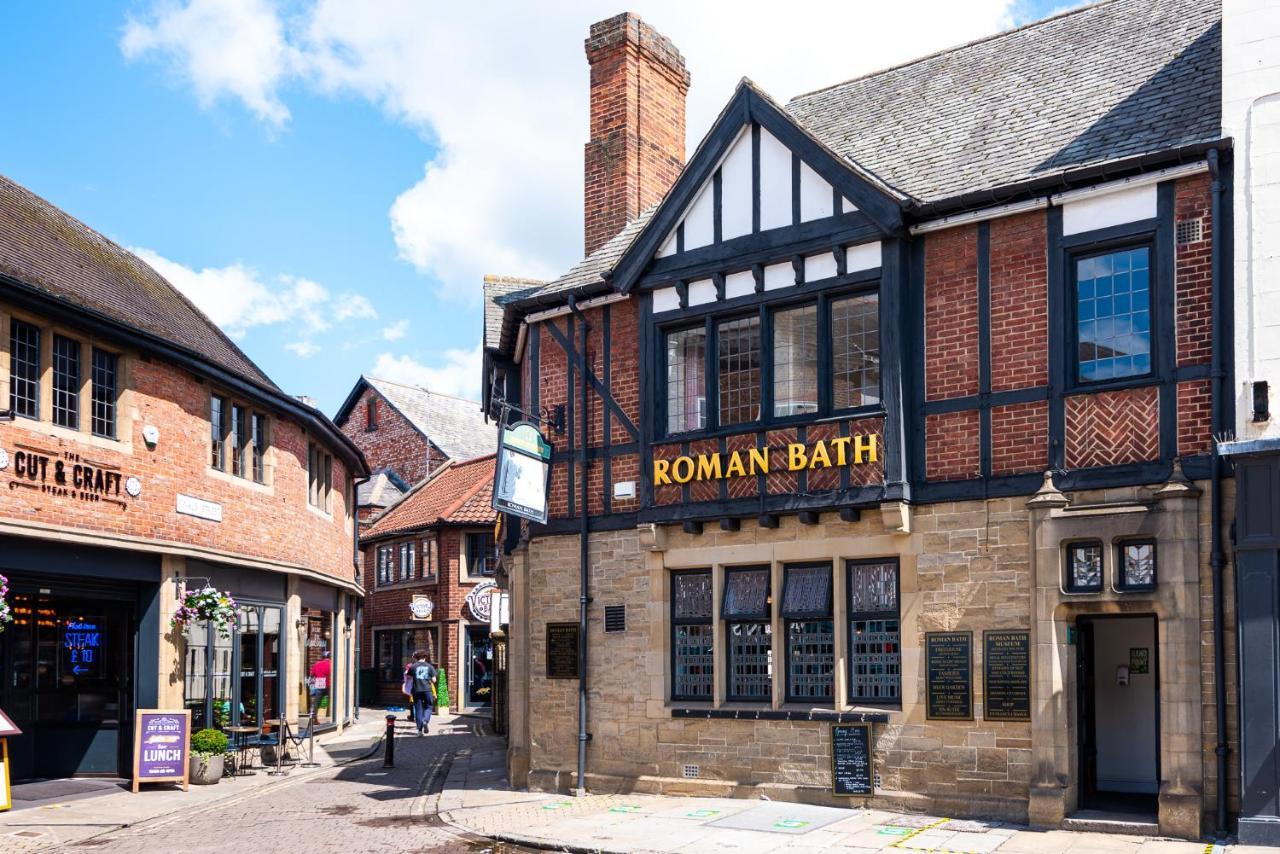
638	88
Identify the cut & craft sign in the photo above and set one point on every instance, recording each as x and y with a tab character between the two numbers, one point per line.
67	475
841	451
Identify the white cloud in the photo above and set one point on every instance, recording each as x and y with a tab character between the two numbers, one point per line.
237	298
459	375
504	94
396	331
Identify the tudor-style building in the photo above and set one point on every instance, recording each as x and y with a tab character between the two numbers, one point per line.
893	405
427	557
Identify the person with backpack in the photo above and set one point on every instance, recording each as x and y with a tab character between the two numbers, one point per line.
420	685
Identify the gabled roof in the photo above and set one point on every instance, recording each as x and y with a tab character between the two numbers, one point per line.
51	251
383	488
459	493
1098	84
498	291
454	425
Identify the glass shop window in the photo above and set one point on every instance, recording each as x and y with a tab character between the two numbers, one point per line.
1113	315
875	633
746	612
811	650
687	380
855	351
691	642
1084	567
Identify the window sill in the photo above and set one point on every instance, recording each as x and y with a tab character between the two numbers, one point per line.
316	511
53	431
242	482
408	582
749	714
1074	387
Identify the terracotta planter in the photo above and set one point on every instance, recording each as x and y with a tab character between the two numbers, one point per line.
205	770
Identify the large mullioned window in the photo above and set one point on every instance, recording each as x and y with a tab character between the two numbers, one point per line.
750	634
811	638
875	632
773	365
24	369
691	636
1113	315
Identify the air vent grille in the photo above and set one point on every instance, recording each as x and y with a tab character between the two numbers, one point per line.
691	772
1190	231
615	618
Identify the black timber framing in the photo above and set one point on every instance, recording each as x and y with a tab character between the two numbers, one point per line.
1057	341
606	395
1165	314
915	428
606	439
648	392
984	349
748	108
892	321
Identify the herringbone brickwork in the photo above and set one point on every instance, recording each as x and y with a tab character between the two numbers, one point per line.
1113	427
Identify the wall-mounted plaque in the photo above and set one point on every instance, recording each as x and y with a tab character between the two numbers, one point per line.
851	764
1139	659
562	651
1006	675
948	676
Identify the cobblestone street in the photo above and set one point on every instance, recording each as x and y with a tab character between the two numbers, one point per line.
359	807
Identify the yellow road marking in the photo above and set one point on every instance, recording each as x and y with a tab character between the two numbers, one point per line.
919	831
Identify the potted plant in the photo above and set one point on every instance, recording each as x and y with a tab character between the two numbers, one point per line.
208	748
442	691
209	604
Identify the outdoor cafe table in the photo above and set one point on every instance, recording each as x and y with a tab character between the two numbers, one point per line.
240	738
282	727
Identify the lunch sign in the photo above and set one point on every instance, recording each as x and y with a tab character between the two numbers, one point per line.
161	746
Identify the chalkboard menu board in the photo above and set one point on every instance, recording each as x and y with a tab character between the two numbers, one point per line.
562	651
851	765
948	676
1006	675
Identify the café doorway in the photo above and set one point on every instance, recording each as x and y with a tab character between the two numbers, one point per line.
66	679
478	654
1118	724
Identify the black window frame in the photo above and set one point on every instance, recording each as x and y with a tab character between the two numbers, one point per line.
707	367
406	569
765	621
1095	249
1121	583
26	405
259	441
218	432
103	398
808	617
237	438
383	558
850	615
677	622
430	558
489	555
66	381
1068	581
764	305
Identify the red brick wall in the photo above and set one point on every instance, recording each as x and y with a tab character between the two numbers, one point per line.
272	523
1195	418
951	445
1019	302
1194	270
951	313
1113	427
636	151
388	606
396	444
1020	438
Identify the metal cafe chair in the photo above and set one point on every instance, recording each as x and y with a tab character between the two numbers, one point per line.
306	731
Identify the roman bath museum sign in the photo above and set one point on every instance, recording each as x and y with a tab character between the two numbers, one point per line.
842	451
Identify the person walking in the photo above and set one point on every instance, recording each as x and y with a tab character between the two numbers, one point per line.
423	676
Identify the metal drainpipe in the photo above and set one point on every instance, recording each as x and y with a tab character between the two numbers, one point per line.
584	580
1218	558
358	625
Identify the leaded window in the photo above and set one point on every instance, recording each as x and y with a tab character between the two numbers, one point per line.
259	442
1113	315
66	382
217	432
855	351
811	651
875	636
24	369
795	361
406	561
385	556
1137	565
238	439
691	642
746	613
1084	567
103	391
687	380
738	356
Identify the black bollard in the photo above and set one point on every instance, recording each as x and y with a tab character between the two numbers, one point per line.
389	755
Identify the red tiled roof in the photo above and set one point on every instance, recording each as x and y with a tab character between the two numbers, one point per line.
458	493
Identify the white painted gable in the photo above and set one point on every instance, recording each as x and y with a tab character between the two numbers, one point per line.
817	198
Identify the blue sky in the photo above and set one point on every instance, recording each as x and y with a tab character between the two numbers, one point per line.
330	180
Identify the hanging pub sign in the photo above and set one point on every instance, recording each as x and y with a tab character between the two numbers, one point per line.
842	451
67	475
521	481
480	600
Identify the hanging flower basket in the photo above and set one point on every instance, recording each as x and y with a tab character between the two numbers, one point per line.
209	605
6	614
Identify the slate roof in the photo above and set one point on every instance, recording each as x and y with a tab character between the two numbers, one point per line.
382	489
47	249
498	291
1097	84
459	493
454	425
